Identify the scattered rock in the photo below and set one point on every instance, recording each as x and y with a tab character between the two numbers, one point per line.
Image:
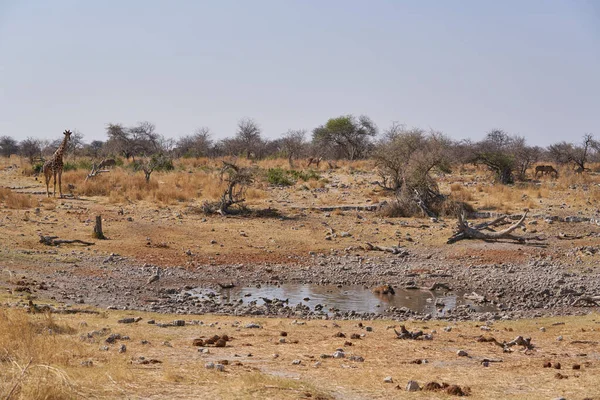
412	386
296	362
339	354
462	353
209	365
388	379
556	365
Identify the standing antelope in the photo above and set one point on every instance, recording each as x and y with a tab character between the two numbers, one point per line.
545	169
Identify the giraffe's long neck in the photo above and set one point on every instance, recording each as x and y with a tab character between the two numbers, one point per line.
58	154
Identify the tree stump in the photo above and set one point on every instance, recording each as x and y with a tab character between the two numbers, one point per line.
98	233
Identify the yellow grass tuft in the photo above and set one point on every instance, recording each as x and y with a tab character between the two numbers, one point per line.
13	200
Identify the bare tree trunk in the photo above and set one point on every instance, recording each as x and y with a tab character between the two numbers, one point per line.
98	233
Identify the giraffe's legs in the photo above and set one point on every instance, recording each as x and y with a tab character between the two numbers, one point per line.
54	192
46	170
60	182
47	177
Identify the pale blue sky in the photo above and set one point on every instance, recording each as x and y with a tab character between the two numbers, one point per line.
461	67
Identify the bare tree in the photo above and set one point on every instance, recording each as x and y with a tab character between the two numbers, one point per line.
293	144
94	149
196	145
524	156
75	144
249	137
120	141
8	146
145	138
564	153
31	148
238	179
158	162
405	159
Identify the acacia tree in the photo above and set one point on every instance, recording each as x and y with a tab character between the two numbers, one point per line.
346	136
495	151
8	146
120	141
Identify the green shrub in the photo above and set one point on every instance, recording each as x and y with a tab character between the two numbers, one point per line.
305	175
279	177
38	167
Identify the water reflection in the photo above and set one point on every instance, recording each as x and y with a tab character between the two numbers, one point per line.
346	298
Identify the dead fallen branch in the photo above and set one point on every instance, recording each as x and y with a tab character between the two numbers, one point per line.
55	241
566	236
392	249
586	301
464	231
519	341
406	334
95	171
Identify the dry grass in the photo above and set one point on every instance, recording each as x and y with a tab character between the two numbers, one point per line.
458	192
56	353
13	200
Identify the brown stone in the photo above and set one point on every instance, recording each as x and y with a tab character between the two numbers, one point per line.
198	342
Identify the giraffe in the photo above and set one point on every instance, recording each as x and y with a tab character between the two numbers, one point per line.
54	166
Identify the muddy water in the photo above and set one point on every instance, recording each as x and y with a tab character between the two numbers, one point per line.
345	298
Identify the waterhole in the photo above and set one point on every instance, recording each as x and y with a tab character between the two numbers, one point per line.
346	298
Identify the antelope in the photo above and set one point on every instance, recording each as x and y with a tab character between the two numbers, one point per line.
545	169
107	162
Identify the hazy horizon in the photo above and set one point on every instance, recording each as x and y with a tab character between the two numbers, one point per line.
461	68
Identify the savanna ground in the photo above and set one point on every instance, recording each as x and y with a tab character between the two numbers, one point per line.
44	355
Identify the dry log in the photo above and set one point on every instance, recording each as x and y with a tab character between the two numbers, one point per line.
55	241
520	341
393	249
95	171
406	334
566	236
586	301
464	231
